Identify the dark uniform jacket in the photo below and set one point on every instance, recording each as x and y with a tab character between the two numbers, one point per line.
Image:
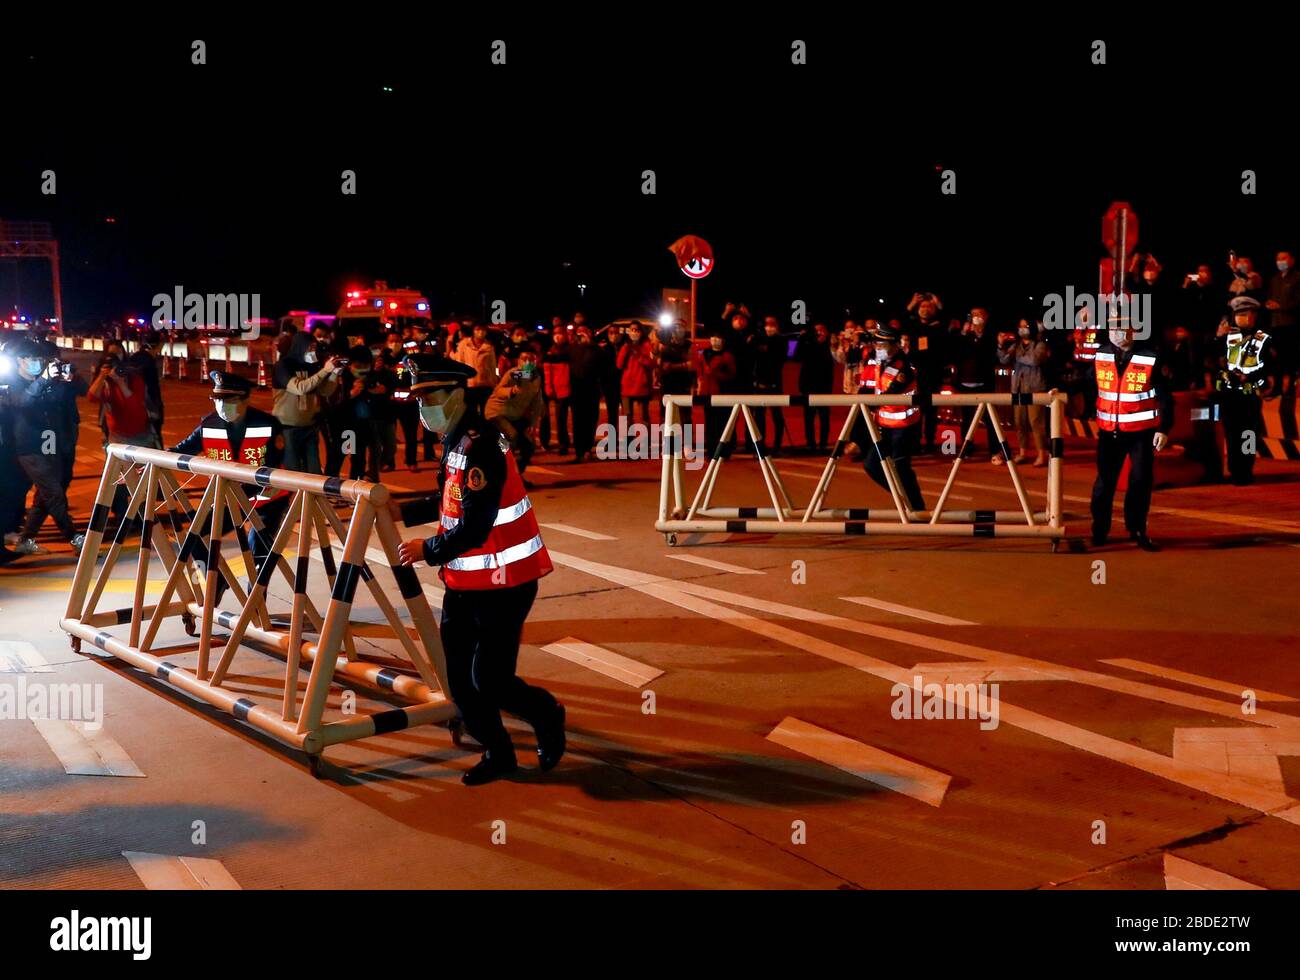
192	444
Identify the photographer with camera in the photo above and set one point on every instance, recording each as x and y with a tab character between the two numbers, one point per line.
122	391
37	406
300	384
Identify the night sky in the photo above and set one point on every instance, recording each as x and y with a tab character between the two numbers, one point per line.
477	183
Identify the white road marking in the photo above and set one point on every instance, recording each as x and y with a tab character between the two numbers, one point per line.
721	566
1196	680
915	613
85	752
1183	875
544	469
580	532
696	598
19	657
1251	753
862	760
631	672
817	476
165	872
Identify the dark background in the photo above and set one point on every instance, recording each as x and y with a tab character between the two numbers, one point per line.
479	182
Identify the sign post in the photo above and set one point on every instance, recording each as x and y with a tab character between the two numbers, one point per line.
695	259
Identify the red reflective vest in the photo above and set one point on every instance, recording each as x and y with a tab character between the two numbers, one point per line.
867	371
252	452
1086	343
513	552
896	416
1126	403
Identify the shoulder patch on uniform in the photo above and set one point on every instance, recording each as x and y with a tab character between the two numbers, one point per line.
475	479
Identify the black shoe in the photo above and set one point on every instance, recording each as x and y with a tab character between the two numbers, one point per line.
490	767
1098	540
1143	542
551	741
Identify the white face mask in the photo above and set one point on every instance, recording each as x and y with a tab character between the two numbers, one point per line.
1121	339
977	321
437	418
1024	331
882	353
231	410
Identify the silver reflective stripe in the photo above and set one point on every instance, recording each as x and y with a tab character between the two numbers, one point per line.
214	434
261	430
1142	359
1137	416
457	460
1136	396
481	563
506	515
898	415
1105	416
1105	356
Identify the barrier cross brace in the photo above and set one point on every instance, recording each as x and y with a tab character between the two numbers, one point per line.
194	546
700	516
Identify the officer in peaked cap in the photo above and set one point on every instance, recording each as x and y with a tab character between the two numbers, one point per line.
490	556
236	432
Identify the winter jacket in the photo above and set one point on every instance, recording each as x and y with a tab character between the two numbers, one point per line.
637	364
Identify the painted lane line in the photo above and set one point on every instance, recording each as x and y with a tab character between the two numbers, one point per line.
85	752
1196	680
19	657
1250	753
721	566
915	613
817	476
580	532
544	469
1183	875
168	873
633	673
862	760
1246	792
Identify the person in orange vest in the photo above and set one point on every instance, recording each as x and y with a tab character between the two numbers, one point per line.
238	433
1135	412
900	432
490	555
1087	341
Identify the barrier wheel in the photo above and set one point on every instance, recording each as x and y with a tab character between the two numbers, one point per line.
191	627
671	539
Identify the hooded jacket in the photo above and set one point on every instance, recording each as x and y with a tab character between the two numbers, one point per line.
299	386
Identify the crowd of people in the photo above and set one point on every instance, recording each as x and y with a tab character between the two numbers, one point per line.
340	401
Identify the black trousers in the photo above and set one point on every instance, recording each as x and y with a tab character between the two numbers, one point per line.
1240	413
778	420
900	445
480	636
822	414
1112	449
46	474
586	415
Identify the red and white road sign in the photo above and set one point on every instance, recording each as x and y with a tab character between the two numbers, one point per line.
694	256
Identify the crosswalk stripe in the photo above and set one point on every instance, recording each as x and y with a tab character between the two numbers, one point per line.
912	611
1196	680
862	760
627	671
580	532
18	657
1183	875
721	566
166	872
85	752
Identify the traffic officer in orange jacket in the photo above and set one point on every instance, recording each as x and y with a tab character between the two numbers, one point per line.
1135	412
490	552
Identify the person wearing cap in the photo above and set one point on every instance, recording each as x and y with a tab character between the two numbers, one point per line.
36	406
490	556
1242	380
899	425
238	433
1135	412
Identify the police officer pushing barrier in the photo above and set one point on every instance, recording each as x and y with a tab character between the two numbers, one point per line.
900	433
490	555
